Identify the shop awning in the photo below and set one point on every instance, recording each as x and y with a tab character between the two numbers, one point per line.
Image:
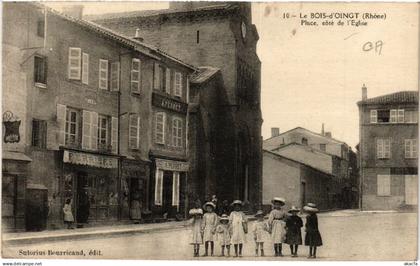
88	159
16	156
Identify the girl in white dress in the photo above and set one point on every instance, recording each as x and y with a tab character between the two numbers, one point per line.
238	225
209	226
260	231
197	237
276	223
223	234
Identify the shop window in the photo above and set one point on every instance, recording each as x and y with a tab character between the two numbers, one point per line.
177	132
103	132
410	146
383	185
40	70
383	116
39	133
72	127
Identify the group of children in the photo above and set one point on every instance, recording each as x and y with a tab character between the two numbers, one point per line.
231	230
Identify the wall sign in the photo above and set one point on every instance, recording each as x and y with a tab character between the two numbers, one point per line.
90	159
168	103
172	165
12	124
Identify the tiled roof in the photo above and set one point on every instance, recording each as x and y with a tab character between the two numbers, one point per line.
134	44
397	97
203	74
151	13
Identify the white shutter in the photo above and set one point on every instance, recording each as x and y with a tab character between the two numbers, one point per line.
400	115
168	81
383	185
393	116
156	77
86	130
103	74
407	147
94	132
85	68
75	60
380	148
387	148
115	76
135	75
158	187
175	189
178	84
61	119
414	148
373	116
114	135
160	128
134	131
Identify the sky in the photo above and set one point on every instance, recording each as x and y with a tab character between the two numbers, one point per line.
313	74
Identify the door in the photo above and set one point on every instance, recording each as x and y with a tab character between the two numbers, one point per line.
167	194
8	208
411	189
303	193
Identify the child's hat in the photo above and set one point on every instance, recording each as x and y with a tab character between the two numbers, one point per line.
259	213
209	203
278	199
310	207
236	202
224	217
195	211
294	209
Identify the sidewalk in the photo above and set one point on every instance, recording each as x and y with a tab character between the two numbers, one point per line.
89	232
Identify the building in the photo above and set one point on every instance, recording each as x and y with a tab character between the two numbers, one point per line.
388	150
297	182
89	110
217	35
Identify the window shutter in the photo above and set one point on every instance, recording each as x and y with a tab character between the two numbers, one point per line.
373	116
188	89
135	75
87	130
168	81
75	63
393	116
156	77
103	74
134	131
387	148
380	148
400	115
407	148
158	187
114	135
115	76
85	68
94	134
178	84
160	128
175	189
61	119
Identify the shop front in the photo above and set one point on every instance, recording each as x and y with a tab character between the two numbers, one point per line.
91	181
170	188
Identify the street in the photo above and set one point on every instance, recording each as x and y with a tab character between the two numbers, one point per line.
347	235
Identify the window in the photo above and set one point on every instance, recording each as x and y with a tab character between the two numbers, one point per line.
168	81
304	141
178	84
158	187
397	116
72	127
162	81
400	116
198	36
134	132
177	132
411	116
160	128
40	28
393	115
135	75
103	129
103	74
323	147
39	133
383	148
373	116
384	185
383	116
85	68
75	61
115	76
90	130
156	76
40	70
410	148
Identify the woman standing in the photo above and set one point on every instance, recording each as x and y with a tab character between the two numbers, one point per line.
276	225
238	225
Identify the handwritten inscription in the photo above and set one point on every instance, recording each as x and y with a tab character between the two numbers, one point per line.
375	47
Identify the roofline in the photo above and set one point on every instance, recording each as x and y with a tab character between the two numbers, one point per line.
301	145
133	44
336	140
365	102
284	157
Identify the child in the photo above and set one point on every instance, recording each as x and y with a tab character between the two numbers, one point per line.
68	215
197	237
260	230
208	226
293	227
238	226
223	234
313	237
276	225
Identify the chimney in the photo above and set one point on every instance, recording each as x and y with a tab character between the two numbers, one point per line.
137	35
364	92
328	134
75	11
322	130
275	131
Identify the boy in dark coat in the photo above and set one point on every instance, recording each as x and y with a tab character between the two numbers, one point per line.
293	231
313	236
